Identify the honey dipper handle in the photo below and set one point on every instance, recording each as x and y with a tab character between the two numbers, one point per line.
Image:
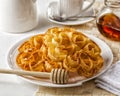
29	73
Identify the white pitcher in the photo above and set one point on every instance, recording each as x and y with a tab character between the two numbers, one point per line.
17	16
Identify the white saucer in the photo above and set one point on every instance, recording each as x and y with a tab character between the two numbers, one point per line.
89	12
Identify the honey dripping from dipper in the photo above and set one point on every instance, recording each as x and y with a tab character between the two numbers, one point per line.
109	26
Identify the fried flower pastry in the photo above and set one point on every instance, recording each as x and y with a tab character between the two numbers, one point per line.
60	48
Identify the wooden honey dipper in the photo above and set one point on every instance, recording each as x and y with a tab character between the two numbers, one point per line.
57	76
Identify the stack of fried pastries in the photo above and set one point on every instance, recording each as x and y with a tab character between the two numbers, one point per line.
60	48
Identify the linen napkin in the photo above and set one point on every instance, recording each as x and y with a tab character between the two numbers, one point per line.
110	80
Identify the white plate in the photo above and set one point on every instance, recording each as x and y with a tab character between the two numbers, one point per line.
89	12
106	54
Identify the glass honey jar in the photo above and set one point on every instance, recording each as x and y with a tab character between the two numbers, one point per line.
108	21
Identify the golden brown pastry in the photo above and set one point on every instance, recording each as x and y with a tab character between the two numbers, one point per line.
60	48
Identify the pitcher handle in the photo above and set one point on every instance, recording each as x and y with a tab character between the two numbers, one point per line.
88	5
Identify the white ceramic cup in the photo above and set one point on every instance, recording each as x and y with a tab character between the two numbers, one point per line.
17	16
70	8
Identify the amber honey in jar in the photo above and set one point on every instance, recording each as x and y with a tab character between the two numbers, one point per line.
108	22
